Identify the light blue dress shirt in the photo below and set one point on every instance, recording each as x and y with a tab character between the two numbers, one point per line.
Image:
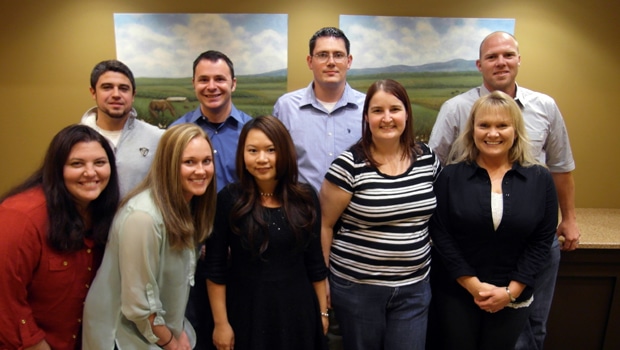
320	136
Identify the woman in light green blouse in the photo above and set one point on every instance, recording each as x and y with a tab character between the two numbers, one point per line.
138	298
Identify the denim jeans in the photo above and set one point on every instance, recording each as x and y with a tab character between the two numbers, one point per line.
377	317
533	335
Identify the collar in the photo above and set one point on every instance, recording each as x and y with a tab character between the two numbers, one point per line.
472	169
129	123
309	97
235	114
519	96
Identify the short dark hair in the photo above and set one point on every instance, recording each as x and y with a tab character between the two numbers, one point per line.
329	32
67	229
111	66
213	56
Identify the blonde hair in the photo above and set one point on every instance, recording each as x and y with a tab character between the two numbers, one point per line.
464	149
186	225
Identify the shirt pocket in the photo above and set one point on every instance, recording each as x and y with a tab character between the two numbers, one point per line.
59	264
537	139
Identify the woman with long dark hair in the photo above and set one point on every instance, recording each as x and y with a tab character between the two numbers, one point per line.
53	229
379	258
272	296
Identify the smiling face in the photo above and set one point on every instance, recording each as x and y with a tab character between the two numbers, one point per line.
260	158
113	95
499	62
213	86
86	172
386	116
197	168
494	133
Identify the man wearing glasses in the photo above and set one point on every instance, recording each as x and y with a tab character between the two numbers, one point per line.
324	118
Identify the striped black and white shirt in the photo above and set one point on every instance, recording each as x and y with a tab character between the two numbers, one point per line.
384	236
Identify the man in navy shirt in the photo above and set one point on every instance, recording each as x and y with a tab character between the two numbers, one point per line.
214	82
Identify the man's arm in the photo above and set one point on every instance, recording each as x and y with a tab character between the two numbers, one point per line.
446	129
565	186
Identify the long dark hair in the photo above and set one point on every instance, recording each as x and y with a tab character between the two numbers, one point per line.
407	139
247	214
67	228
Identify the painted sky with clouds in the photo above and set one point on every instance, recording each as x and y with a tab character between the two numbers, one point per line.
165	45
381	41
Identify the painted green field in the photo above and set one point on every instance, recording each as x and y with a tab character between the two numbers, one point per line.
257	95
254	95
427	92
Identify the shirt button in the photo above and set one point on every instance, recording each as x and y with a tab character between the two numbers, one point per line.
214	151
23	321
329	133
87	286
330	154
65	263
88	251
89	268
79	320
74	336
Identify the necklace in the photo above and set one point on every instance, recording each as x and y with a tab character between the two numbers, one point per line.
266	194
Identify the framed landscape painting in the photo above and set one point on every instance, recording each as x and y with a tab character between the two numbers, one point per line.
160	50
433	57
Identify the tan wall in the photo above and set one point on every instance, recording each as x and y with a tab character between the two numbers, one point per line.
569	50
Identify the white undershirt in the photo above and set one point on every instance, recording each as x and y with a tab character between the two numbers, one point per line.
497	208
328	105
113	136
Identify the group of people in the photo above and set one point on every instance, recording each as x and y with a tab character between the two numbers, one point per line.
232	232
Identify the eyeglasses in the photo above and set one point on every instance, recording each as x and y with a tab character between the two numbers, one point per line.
323	57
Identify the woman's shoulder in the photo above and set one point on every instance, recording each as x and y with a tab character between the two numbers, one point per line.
142	202
536	170
421	151
460	168
232	190
142	199
24	212
32	199
423	147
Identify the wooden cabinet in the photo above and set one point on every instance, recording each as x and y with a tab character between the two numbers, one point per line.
585	313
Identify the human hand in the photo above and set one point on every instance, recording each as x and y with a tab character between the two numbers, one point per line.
325	321
481	288
183	342
42	345
493	300
570	232
224	337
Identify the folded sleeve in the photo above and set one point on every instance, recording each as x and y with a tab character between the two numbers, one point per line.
140	243
20	252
